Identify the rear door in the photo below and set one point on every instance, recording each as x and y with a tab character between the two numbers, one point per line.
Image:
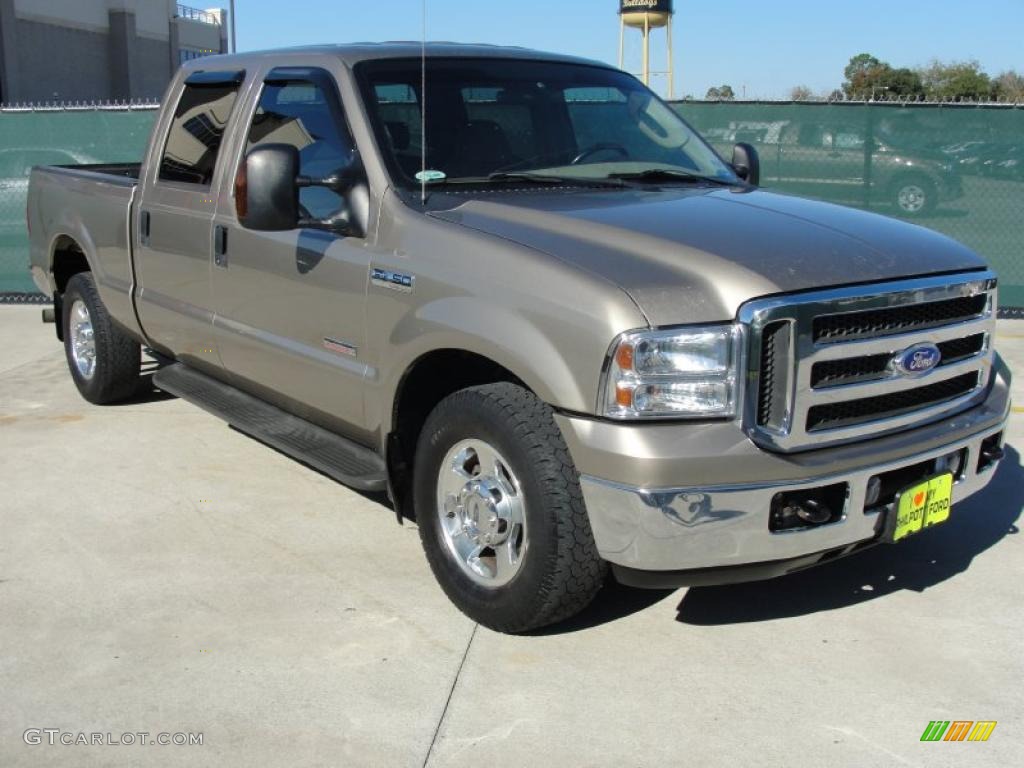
290	305
173	232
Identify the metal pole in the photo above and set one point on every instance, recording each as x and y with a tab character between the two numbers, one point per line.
671	69
622	41
647	51
234	41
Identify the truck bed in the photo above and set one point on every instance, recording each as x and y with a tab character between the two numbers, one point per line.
91	205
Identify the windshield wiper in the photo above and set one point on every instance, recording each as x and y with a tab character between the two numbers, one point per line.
545	178
542	178
518	177
669	174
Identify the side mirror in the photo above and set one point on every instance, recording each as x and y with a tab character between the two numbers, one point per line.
746	163
266	192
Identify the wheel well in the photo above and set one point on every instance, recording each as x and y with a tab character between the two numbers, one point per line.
426	383
68	261
912	177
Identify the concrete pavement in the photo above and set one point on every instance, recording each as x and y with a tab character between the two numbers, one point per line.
161	572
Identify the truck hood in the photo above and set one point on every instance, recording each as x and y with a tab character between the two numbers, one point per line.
688	255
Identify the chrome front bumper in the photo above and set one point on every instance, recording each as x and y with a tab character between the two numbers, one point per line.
722	525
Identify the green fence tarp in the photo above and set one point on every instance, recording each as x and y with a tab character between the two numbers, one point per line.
956	169
55	137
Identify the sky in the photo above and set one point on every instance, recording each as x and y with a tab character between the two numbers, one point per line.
761	48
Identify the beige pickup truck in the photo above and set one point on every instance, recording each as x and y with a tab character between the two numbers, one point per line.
531	304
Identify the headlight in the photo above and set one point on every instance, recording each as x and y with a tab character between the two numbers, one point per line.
683	373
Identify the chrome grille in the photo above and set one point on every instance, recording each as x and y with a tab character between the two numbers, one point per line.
821	365
831	373
865	409
867	324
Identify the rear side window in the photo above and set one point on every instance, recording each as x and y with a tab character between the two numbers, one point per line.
190	154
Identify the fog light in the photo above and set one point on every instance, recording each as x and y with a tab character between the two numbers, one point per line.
991	451
813	512
807	508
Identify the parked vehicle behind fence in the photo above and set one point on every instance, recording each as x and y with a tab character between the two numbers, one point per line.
831	160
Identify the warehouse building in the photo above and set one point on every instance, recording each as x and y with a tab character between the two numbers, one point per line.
89	50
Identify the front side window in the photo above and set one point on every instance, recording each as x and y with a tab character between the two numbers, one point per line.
193	143
306	116
494	116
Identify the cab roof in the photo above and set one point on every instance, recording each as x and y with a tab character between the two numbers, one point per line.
354	53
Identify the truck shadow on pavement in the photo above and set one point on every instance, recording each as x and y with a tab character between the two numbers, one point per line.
916	564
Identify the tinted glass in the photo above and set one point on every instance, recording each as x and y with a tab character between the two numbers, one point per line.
190	154
304	115
495	115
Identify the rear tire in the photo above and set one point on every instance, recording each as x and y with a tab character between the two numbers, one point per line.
493	477
105	361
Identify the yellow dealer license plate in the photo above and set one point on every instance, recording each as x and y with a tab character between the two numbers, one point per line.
924	504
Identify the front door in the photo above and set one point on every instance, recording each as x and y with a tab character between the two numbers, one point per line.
174	223
825	161
290	305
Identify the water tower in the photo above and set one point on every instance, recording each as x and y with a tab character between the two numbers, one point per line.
647	16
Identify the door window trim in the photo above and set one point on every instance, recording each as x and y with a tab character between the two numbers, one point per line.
312	74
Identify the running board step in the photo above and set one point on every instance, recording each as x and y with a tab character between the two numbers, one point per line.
339	458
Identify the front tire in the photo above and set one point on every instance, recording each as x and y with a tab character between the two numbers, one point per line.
104	360
500	511
914	196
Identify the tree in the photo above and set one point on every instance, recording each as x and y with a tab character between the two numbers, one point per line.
1009	86
862	74
720	93
801	93
905	83
867	78
957	81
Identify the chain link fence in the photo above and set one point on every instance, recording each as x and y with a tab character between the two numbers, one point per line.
957	169
58	135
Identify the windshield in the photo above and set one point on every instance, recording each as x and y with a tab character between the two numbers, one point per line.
495	117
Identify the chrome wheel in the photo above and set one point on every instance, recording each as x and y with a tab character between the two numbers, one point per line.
911	198
83	341
483	520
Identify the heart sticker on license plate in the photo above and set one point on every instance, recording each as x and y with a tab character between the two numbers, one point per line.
926	503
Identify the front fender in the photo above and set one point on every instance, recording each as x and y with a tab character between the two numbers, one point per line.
507	338
548	322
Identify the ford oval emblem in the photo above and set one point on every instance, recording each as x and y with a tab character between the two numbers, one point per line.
917	360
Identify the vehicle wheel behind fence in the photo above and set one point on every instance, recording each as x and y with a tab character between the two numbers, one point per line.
103	359
914	196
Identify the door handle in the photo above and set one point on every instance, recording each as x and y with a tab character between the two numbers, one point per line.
220	246
144	227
